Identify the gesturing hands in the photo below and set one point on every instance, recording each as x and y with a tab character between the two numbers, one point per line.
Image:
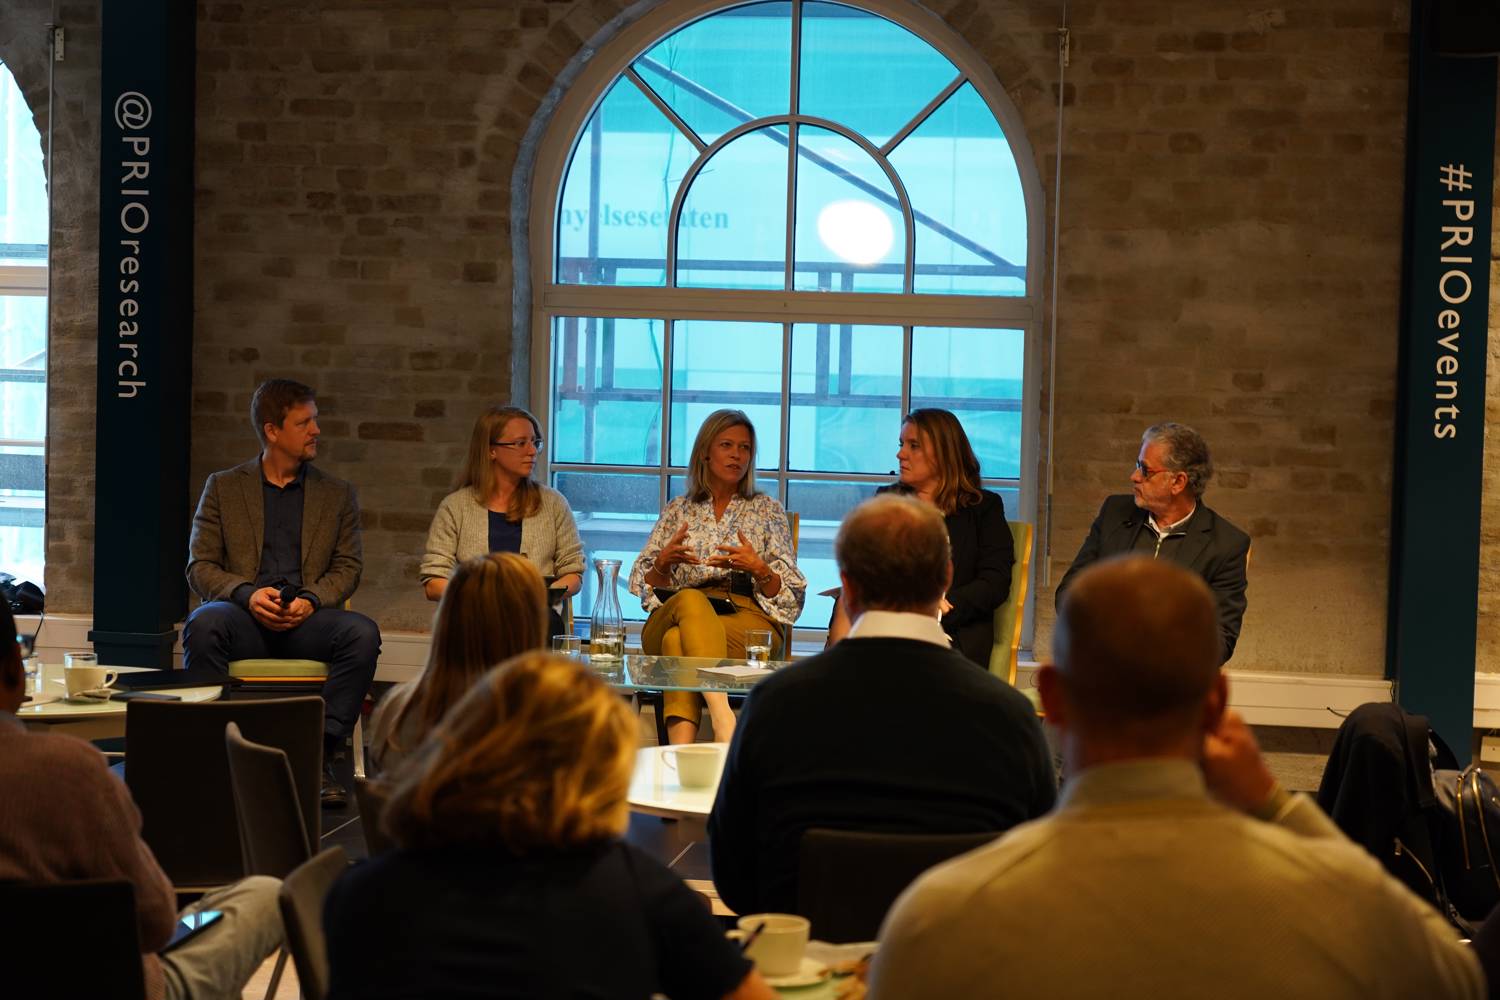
266	608
677	550
742	556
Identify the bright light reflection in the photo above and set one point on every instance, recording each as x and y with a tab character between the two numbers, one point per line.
856	231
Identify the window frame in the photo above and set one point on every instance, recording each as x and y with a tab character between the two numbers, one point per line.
550	300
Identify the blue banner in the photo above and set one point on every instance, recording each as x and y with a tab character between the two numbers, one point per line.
1439	463
145	329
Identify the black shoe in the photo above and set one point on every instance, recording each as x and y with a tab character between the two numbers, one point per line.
332	794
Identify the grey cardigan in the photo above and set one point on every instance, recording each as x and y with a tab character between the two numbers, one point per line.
461	530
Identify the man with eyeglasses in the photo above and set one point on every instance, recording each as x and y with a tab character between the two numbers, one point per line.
275	552
1165	518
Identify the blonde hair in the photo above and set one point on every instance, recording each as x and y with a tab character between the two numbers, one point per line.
495	606
478	473
953	457
537	756
714	424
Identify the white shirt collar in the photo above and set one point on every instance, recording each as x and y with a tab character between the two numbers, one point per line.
1163	531
899	625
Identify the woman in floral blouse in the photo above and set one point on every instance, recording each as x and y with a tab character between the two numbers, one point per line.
721	539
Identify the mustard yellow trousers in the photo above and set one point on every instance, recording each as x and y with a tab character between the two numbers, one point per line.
687	625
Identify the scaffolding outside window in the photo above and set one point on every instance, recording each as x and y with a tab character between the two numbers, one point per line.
805	210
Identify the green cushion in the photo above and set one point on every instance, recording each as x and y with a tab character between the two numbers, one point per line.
278	668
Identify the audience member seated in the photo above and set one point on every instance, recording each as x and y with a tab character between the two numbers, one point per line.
494	607
1175	865
938	466
497	507
1164	517
65	817
721	542
888	731
511	880
275	552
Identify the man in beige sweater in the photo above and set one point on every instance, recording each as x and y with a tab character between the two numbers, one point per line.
64	817
1174	865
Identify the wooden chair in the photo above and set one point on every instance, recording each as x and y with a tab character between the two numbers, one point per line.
1010	616
848	879
71	939
301	899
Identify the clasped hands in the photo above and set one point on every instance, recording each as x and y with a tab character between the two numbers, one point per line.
266	608
742	556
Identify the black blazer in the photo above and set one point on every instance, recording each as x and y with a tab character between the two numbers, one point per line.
1214	549
983	554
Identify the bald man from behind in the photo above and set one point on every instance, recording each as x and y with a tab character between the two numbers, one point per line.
1174	865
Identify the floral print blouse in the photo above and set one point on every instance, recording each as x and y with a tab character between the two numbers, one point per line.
764	523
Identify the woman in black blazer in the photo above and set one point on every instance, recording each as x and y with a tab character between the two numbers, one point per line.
938	466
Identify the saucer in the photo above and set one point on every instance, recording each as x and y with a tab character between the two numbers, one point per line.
812	973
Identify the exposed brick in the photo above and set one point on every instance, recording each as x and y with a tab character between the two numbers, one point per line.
387	431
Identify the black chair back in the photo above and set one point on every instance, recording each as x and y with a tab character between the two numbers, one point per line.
178	774
302	895
273	836
71	939
848	879
371	796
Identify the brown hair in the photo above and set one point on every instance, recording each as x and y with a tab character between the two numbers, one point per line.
537	756
478	473
714	424
953	457
895	549
273	399
1137	647
494	607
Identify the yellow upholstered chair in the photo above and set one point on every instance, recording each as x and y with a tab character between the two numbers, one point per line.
1010	615
272	675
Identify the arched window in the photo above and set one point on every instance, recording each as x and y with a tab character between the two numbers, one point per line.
23	336
825	214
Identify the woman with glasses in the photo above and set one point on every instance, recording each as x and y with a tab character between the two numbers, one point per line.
718	563
938	466
494	607
497	507
512	879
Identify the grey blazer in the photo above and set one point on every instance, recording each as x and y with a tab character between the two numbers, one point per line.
229	530
461	530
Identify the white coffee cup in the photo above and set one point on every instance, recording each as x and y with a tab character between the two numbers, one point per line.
697	766
83	679
777	950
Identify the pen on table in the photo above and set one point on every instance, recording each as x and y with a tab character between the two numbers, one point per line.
750	938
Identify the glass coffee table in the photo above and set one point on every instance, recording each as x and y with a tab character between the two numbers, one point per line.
644	672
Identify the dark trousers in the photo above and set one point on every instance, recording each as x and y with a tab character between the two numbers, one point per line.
347	641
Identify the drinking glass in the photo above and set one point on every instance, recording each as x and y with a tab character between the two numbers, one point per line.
757	646
570	646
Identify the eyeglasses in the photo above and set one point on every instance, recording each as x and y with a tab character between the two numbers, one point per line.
1146	471
520	443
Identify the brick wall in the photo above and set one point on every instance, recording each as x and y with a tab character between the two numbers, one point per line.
1231	219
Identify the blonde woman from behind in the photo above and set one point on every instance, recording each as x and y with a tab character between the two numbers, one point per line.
494	607
511	879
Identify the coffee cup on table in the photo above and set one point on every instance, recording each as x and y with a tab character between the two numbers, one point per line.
84	678
696	765
777	947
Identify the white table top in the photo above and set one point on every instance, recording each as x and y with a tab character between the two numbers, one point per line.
654	789
57	709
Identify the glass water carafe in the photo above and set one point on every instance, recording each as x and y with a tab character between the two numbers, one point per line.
607	628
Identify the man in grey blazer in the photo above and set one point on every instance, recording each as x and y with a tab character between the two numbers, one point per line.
274	554
1164	517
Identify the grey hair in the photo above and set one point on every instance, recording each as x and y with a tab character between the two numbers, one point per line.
1187	452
